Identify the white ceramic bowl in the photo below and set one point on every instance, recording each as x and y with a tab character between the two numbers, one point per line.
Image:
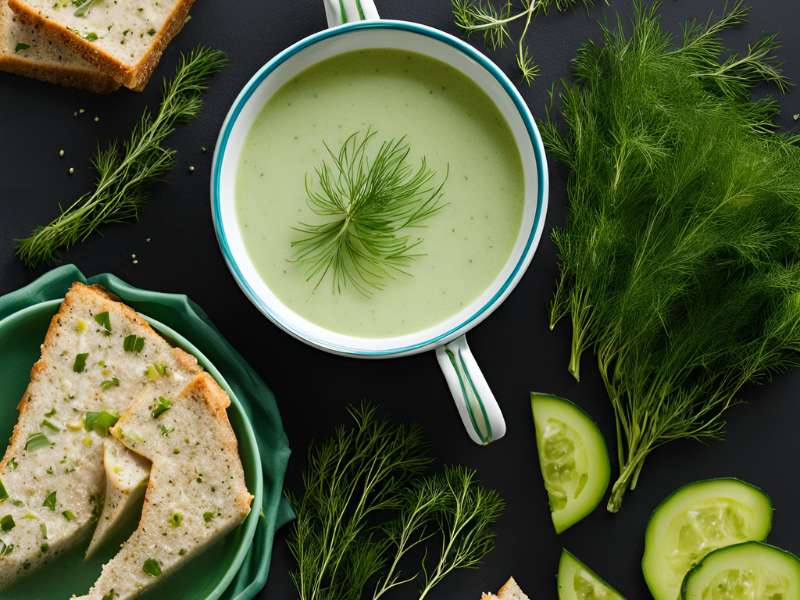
476	404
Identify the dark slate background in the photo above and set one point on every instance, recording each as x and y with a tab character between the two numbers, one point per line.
514	346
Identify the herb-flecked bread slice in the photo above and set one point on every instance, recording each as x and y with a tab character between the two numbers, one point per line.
97	357
196	492
25	51
124	39
126	479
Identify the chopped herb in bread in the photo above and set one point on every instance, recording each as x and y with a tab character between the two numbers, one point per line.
52	473
124	39
25	51
196	492
126	479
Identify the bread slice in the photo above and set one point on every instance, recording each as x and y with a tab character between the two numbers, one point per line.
196	491
124	39
126	479
52	473
509	591
25	51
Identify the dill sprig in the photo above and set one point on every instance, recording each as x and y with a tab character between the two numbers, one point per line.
367	505
680	263
463	521
410	529
485	18
368	204
123	174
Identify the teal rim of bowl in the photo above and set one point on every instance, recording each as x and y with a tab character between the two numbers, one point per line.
251	522
282	57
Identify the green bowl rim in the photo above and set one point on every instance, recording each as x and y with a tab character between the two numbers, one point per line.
251	522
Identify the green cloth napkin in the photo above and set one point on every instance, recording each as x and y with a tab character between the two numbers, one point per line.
185	317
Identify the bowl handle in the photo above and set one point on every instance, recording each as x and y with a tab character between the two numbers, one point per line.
347	11
475	401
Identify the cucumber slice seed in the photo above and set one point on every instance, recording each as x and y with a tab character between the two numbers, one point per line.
573	459
576	581
696	520
747	571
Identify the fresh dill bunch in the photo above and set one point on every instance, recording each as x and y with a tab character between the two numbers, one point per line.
350	479
680	262
123	173
368	205
492	22
367	506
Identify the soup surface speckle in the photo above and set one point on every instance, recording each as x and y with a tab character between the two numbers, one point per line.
447	120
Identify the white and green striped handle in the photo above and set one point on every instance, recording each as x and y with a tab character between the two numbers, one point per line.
347	11
474	399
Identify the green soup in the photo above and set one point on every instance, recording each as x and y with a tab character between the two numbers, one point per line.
447	120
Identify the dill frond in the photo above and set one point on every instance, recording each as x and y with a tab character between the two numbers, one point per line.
123	173
466	538
680	262
484	17
368	203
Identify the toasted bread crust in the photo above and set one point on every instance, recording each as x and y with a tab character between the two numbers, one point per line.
83	79
133	77
206	388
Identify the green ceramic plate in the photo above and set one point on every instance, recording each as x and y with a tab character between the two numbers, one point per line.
207	576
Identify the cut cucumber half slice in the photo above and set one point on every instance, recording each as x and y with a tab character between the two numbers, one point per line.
576	581
696	520
749	571
573	458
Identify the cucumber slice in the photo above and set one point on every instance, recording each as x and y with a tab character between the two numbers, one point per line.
748	571
696	520
576	581
573	458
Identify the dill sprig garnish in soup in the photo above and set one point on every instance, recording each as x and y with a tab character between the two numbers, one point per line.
461	172
366	207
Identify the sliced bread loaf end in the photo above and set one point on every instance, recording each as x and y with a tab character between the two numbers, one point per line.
25	51
123	39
